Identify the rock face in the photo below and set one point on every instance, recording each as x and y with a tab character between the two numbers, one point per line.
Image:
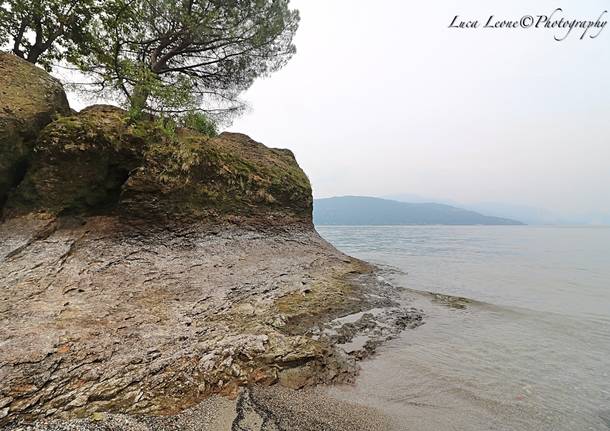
29	100
142	269
98	316
96	162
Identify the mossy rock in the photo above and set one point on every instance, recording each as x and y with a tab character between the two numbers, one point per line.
97	161
80	163
29	100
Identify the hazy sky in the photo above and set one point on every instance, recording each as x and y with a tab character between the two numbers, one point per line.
383	98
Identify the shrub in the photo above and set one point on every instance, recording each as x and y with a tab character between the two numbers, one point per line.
200	122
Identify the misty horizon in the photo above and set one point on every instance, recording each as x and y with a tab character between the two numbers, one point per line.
411	106
512	122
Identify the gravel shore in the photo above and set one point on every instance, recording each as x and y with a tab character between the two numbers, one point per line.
256	409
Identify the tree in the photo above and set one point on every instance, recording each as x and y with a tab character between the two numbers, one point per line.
176	56
46	31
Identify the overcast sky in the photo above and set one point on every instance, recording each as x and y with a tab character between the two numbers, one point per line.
383	98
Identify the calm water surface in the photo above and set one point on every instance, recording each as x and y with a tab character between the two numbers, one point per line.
530	352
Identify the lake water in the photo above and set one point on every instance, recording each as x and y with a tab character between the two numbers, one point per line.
531	351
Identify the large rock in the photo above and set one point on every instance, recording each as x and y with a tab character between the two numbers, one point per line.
29	100
97	162
100	317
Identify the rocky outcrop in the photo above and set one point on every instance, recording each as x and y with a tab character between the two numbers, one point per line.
97	162
101	317
143	269
29	100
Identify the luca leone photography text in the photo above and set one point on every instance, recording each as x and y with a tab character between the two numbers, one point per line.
557	21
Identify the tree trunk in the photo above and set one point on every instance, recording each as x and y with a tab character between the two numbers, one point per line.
19	38
34	54
138	99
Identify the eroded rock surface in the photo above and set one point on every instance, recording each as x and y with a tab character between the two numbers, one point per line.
102	317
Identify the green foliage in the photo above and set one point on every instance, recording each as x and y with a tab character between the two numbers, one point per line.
134	114
168	126
201	123
48	31
175	56
157	56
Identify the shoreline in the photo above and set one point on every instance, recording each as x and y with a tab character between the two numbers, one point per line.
257	408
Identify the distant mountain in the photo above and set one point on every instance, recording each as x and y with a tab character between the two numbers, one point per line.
527	214
413	198
539	216
358	210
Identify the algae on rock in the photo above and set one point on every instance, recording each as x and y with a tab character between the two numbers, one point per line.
97	161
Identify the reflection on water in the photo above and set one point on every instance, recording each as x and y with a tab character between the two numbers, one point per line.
532	352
